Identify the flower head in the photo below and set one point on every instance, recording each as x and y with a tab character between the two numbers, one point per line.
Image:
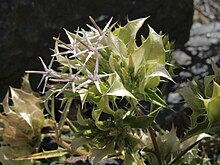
47	73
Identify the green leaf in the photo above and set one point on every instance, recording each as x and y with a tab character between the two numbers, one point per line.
214	128
128	33
132	159
144	121
46	101
150	52
117	88
8	155
116	45
183	152
216	90
133	142
96	114
152	76
99	124
153	97
77	142
65	113
216	72
208	87
83	93
80	119
195	103
99	154
160	71
168	143
198	129
104	105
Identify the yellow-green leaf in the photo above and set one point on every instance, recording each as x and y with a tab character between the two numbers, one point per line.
117	88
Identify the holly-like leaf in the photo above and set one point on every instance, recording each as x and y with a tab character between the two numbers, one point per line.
208	87
22	120
104	105
78	141
99	154
192	100
168	143
116	45
83	93
153	76
8	155
99	124
216	90
216	72
26	86
117	88
128	33
132	159
150	52
143	121
154	98
198	129
80	118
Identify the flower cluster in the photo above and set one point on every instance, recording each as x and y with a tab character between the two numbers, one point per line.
82	50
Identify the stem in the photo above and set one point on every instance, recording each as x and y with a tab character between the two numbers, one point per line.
185	151
72	127
156	148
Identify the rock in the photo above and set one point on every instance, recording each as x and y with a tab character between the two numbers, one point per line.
195	59
27	27
207	11
182	58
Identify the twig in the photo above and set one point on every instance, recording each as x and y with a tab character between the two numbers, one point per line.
156	148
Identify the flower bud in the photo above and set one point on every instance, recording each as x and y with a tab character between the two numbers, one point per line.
212	105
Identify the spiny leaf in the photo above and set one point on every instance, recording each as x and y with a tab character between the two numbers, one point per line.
5	103
104	105
208	88
80	119
160	71
132	159
26	87
216	90
83	93
198	129
143	121
96	115
23	120
65	113
116	45
8	153
44	155
216	72
78	141
99	154
150	52
117	88
192	100
128	33
153	97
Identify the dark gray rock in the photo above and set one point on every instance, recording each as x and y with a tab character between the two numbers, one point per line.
27	27
207	10
195	59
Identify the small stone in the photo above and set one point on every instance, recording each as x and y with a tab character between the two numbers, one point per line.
182	58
